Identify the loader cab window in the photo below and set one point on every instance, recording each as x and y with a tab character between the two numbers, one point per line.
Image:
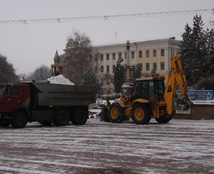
145	90
137	90
141	90
159	89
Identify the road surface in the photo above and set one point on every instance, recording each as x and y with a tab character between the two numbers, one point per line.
181	146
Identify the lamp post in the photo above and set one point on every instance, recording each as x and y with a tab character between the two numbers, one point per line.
109	81
100	83
128	61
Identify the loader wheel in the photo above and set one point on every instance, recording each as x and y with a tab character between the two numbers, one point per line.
80	117
19	119
61	118
163	119
141	114
115	113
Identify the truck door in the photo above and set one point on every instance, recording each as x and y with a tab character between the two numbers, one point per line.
12	98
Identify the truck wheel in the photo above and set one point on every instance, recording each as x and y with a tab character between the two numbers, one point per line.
115	113
80	117
163	119
62	118
19	119
140	114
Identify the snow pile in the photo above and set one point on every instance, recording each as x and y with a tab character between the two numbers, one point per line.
60	79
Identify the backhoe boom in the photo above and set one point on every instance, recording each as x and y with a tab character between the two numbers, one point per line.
176	78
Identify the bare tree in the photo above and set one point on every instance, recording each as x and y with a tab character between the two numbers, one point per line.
212	21
78	57
7	72
41	73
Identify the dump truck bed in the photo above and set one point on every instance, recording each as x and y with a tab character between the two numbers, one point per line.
46	94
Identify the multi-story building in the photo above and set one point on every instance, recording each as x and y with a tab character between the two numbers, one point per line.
150	55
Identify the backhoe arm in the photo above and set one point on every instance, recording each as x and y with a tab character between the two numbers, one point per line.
176	77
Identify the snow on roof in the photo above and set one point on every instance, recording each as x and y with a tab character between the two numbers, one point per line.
60	79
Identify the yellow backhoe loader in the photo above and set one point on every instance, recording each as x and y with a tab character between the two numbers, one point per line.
149	97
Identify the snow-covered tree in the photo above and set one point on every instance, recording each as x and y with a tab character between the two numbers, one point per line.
90	79
196	51
212	21
135	73
78	57
41	73
206	83
7	72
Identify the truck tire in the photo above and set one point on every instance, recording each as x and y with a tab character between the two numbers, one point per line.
19	119
140	114
80	117
115	113
61	118
163	120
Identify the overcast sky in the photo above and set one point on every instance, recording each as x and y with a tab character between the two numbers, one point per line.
28	46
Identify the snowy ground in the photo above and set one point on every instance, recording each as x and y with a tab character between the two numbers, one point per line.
181	146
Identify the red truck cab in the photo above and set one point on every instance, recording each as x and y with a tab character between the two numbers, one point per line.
13	97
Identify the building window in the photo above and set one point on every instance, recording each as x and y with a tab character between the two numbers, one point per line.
154	66
147	66
162	66
101	57
147	53
107	56
125	55
107	68
101	68
141	66
162	52
113	56
120	55
140	54
132	54
114	68
154	53
96	69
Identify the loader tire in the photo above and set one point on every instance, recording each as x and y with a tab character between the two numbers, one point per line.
115	113
140	114
163	120
19	119
80	117
62	117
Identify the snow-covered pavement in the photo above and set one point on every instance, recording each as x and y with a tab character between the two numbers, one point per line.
181	146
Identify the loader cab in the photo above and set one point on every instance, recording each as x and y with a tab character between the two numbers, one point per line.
151	89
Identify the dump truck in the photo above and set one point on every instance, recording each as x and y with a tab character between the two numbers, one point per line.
44	103
149	97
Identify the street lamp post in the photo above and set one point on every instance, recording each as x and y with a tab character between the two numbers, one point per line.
100	83
109	82
128	61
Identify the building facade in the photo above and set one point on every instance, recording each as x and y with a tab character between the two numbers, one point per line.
149	55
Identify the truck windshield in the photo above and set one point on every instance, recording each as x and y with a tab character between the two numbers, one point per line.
2	88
